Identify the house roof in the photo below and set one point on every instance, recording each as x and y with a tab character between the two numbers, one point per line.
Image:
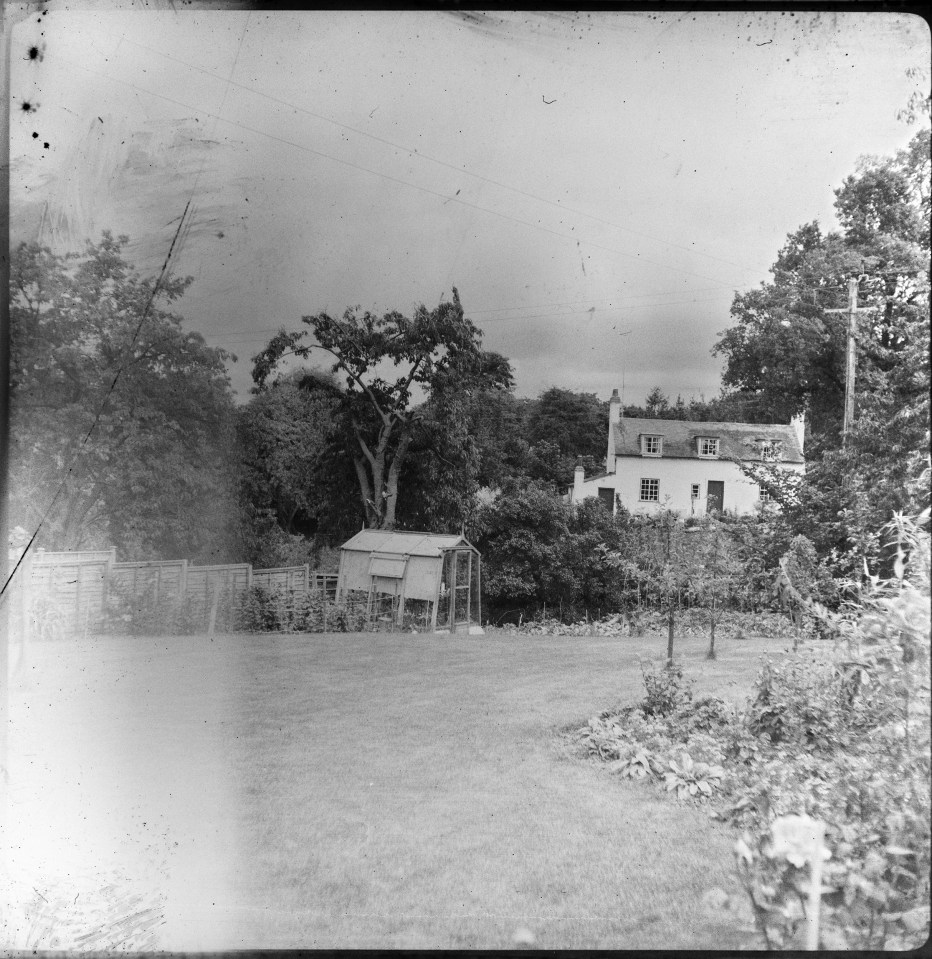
404	543
736	440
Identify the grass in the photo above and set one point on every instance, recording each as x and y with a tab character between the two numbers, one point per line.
365	791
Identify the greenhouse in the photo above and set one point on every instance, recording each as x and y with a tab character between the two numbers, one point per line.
413	581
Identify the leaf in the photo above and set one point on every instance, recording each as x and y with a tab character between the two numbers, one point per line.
899	851
705	787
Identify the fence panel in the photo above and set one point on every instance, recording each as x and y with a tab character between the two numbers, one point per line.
163	580
326	583
88	590
68	595
75	556
282	577
234	578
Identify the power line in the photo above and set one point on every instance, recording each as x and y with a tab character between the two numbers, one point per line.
601	311
427	157
537	316
390	178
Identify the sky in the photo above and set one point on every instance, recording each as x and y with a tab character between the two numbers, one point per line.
597	185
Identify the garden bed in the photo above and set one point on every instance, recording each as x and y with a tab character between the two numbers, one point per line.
824	739
648	622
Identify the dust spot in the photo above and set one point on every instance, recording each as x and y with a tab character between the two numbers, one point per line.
27	106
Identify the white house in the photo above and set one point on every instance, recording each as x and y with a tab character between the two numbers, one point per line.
687	466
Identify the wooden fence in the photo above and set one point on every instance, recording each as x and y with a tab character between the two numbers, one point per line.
67	593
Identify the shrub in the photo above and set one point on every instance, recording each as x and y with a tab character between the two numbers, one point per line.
666	690
840	739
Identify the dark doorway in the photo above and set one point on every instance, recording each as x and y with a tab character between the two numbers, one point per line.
607	498
715	500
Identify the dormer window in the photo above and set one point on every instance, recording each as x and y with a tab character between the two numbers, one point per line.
651	445
771	451
708	446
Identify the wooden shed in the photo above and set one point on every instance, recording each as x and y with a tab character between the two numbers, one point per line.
413	580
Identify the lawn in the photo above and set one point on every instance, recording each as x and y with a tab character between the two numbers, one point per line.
352	791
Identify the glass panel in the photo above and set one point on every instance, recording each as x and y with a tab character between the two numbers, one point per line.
462	568
462	609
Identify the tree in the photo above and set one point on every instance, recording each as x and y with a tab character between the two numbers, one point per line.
662	557
715	565
122	421
437	350
284	431
789	351
520	535
785	346
297	481
575	422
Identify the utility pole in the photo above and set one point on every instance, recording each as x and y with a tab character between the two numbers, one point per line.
851	355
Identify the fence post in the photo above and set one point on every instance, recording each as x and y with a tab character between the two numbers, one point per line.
212	622
324	594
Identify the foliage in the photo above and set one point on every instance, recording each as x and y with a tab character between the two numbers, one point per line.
113	402
519	535
840	738
666	691
279	610
787	348
691	778
538	551
437	351
662	556
564	427
284	433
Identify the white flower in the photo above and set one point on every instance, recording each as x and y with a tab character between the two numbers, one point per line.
794	838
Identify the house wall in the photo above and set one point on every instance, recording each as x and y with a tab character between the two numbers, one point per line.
675	478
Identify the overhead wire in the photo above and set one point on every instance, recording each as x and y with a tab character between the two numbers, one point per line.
436	160
406	183
258	334
601	311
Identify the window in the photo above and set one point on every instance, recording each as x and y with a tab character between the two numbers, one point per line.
650	490
607	497
694	491
763	495
708	446
771	451
651	445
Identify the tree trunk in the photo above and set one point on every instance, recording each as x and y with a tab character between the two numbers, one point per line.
670	623
394	472
711	653
365	491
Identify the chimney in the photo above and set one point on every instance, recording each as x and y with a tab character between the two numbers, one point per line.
579	476
798	423
614	419
614	407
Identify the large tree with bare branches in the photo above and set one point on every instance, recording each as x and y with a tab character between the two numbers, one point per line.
392	364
